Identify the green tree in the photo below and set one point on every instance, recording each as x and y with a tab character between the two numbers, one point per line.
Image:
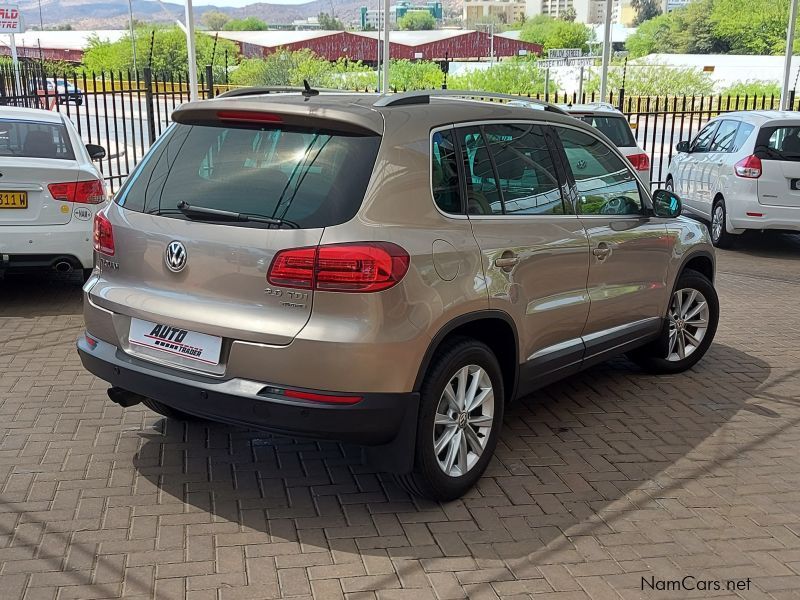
246	24
570	15
420	75
654	80
753	87
752	26
653	37
291	68
214	20
416	20
329	23
555	33
168	52
645	10
507	77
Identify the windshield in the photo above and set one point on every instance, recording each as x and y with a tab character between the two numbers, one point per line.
308	177
614	128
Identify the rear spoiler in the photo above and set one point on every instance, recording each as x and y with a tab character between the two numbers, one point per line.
270	115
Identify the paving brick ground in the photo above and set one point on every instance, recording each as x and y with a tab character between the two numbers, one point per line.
600	483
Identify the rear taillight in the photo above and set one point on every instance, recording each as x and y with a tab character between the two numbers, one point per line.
359	267
749	167
103	234
640	162
83	192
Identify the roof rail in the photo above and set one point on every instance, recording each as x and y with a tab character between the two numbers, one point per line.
278	89
424	97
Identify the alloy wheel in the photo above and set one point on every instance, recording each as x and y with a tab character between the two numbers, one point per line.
717	222
688	323
463	420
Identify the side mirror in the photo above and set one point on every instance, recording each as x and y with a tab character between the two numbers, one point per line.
666	204
96	152
682	147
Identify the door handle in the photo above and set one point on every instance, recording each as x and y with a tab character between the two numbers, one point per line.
506	262
601	252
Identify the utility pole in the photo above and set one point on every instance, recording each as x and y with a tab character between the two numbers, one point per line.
787	59
193	95
607	51
133	36
386	61
41	20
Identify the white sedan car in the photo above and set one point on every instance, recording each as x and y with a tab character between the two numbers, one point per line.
49	192
742	171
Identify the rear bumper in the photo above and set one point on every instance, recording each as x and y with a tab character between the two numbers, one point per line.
24	244
786	218
378	419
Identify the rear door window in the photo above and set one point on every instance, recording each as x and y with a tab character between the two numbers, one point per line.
779	143
310	178
33	139
614	128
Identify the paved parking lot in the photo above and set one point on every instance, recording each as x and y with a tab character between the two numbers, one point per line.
614	484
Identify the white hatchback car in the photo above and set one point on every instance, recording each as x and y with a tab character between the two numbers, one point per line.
49	192
742	171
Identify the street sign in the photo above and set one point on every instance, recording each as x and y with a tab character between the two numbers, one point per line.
582	61
564	53
10	19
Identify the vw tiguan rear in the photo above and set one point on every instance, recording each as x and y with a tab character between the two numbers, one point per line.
317	267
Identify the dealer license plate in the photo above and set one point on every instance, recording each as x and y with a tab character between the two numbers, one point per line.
175	341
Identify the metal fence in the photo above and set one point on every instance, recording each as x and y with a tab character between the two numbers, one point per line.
126	111
122	111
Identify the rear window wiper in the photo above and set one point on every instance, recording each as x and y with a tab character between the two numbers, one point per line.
216	214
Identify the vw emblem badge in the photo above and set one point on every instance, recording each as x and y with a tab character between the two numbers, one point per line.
175	256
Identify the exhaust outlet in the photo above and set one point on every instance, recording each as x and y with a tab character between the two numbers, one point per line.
63	266
123	397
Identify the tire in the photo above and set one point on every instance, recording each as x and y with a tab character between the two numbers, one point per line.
168	411
462	359
719	235
663	356
86	274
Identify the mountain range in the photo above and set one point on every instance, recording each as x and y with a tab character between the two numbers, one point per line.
113	14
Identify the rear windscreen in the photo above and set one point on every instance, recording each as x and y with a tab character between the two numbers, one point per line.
32	139
310	178
614	128
778	143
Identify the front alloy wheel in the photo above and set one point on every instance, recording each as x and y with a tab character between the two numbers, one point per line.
688	323
463	420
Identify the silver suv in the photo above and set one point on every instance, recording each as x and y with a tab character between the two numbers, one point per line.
390	271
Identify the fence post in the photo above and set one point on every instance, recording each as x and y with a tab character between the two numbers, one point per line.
791	100
209	82
148	103
621	97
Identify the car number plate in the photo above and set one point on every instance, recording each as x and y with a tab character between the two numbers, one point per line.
13	199
175	341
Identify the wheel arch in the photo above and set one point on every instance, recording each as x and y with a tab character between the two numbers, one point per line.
701	261
496	329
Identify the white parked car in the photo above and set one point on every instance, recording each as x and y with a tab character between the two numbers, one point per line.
614	125
610	122
49	192
742	171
